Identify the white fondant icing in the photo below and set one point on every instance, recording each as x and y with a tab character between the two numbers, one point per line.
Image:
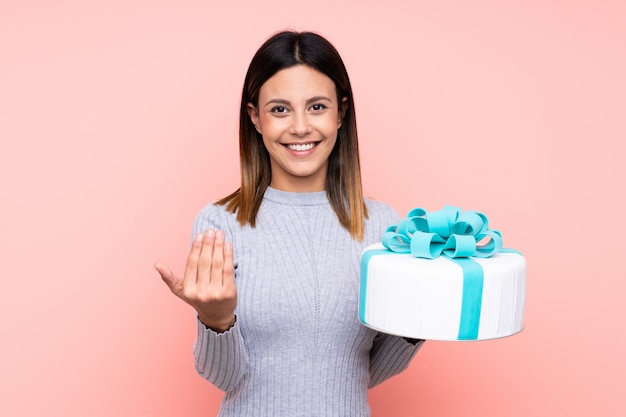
421	298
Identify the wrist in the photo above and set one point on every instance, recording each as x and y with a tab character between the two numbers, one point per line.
218	326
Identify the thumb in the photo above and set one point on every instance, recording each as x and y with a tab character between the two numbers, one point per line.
174	283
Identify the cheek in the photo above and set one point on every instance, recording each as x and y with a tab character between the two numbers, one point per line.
271	125
267	140
334	126
329	125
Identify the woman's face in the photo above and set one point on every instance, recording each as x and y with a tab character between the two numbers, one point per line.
298	115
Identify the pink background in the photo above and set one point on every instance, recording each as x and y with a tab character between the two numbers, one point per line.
118	123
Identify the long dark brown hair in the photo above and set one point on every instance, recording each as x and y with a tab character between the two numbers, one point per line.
343	179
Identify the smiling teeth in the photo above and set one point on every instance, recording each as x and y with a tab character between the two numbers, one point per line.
304	147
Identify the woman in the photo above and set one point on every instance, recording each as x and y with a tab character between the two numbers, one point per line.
273	271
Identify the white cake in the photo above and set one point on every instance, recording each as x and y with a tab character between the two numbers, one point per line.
443	298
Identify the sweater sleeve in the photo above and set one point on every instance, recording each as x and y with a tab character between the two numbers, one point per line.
220	358
389	356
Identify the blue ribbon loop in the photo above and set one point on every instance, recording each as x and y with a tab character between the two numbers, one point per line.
455	235
448	232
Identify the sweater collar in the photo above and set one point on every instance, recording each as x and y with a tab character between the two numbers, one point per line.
296	199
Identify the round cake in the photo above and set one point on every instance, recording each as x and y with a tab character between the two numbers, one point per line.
447	291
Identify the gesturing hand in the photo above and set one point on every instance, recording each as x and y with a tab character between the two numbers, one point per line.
209	282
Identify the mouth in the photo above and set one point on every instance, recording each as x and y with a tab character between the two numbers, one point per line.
301	147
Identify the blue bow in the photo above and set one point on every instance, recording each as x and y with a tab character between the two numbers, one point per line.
449	231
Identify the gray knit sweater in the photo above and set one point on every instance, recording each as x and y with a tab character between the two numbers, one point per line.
297	347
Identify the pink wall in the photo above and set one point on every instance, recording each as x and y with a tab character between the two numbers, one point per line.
118	122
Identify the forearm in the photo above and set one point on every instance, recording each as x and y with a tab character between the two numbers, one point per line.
220	358
389	356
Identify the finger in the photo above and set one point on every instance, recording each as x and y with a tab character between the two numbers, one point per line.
203	276
191	268
217	263
229	266
174	283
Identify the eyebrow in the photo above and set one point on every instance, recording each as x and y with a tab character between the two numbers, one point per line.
309	101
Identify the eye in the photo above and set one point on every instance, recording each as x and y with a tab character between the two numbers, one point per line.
318	107
278	109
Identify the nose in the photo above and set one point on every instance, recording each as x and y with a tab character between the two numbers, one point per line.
300	125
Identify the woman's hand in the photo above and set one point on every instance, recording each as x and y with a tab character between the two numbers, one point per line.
209	282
